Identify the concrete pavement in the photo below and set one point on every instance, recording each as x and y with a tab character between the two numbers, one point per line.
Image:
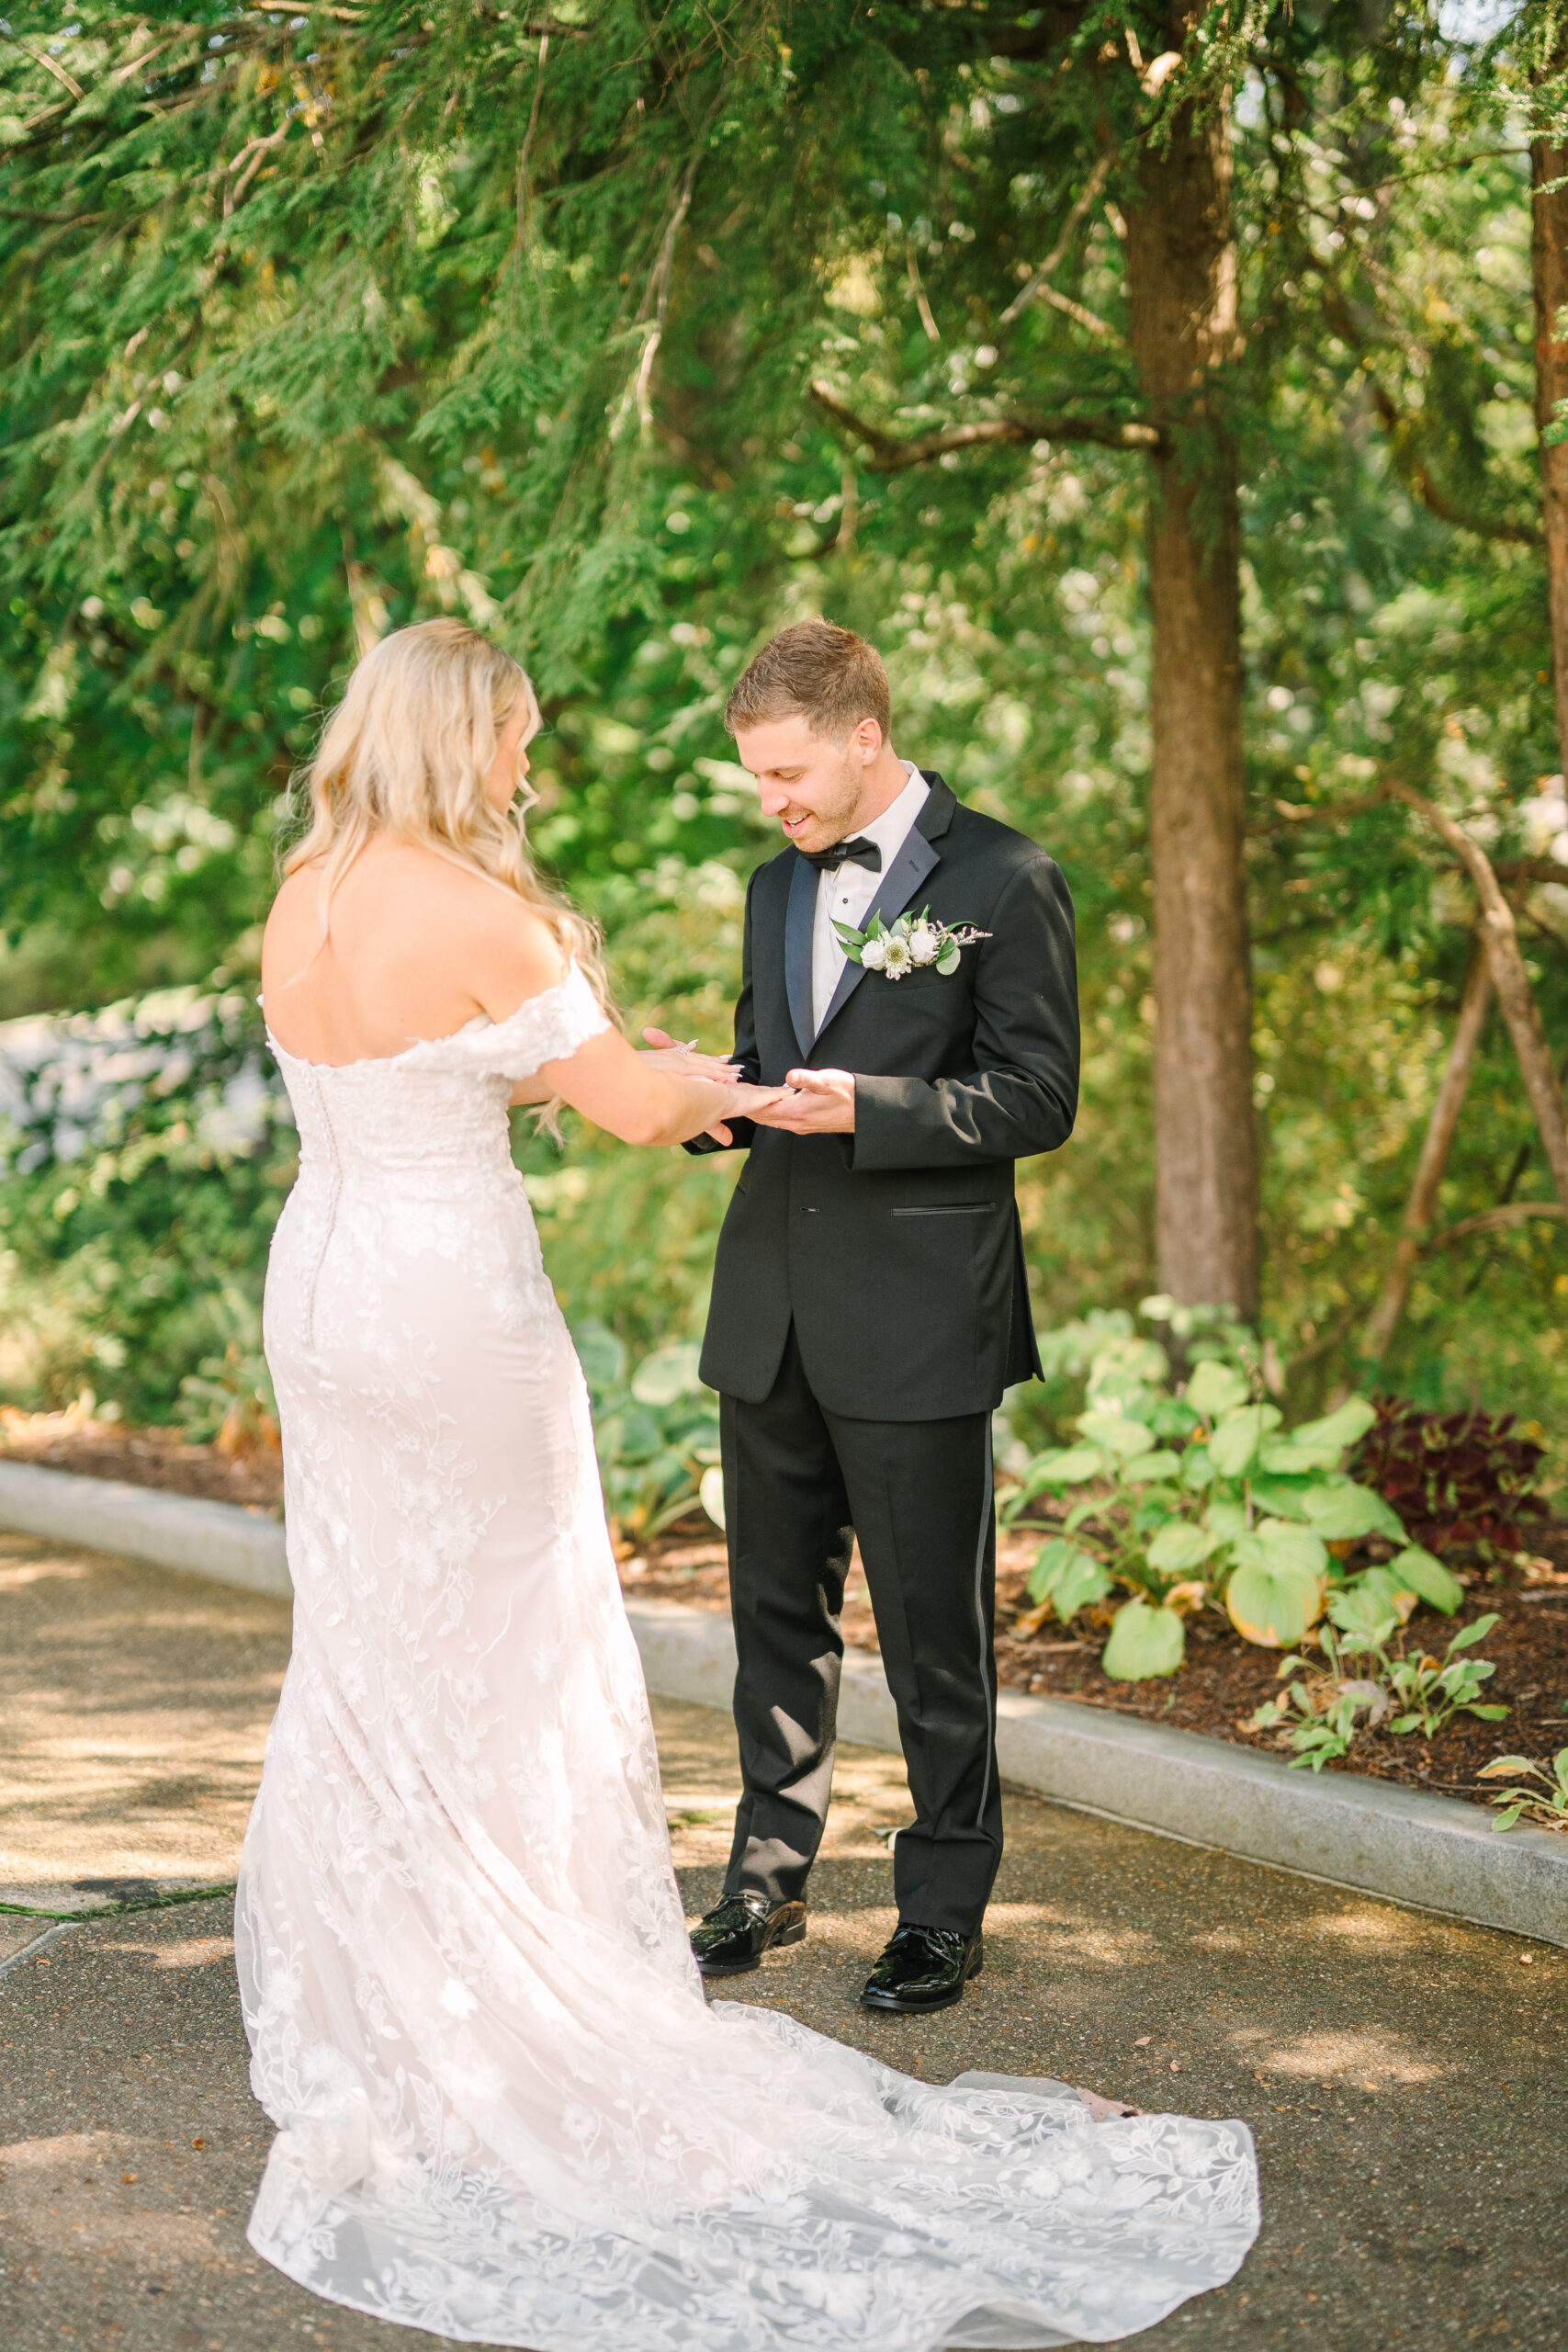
1404	2073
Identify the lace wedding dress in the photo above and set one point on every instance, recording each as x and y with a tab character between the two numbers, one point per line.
506	2113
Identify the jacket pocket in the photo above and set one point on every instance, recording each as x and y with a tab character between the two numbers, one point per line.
951	1208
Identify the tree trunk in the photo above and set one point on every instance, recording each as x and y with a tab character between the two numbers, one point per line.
1181	274
1420	1208
1548	271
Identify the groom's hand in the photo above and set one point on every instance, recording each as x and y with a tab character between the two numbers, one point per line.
820	1103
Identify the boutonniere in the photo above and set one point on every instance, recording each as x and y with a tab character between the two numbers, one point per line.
910	942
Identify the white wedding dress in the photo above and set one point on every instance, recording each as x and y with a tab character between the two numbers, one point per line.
506	2111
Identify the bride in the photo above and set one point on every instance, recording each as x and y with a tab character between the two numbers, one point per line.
506	2111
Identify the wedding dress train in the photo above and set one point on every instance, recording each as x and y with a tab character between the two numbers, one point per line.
506	2113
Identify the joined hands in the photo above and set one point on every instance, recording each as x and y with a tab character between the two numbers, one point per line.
810	1101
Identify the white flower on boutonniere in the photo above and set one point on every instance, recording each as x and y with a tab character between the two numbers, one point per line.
908	942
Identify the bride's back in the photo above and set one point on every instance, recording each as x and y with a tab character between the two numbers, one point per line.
416	947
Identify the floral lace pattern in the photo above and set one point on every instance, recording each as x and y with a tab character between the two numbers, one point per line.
506	2111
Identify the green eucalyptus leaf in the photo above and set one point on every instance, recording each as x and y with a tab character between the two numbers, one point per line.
947	961
1144	1642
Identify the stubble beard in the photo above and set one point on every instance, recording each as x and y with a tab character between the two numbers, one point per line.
837	821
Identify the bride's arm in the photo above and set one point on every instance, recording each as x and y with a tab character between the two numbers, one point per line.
621	1090
513	956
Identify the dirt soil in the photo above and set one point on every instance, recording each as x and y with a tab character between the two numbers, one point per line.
1221	1682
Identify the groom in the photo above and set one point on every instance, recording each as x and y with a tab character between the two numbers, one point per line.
869	1297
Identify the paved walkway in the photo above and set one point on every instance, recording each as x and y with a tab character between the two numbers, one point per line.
1404	2074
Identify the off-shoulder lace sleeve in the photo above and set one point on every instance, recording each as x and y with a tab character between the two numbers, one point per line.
545	1028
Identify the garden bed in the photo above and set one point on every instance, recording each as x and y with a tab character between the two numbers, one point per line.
1224	1679
1215	1691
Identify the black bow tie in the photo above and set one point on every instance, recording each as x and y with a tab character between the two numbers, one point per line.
860	852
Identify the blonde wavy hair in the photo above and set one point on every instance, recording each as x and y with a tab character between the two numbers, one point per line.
407	752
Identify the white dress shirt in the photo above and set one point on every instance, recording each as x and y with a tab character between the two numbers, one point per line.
846	896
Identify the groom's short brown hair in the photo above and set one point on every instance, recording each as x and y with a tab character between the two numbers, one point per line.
818	671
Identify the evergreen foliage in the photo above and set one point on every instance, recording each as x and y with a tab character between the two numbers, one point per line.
316	321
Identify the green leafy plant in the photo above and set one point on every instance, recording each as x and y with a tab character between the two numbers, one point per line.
1200	1499
656	1431
1433	1690
1546	1807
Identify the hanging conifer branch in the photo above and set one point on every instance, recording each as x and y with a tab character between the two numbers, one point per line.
891	456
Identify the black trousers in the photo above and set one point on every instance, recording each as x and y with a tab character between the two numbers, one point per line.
799	1485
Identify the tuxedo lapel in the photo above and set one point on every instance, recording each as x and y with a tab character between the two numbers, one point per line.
914	862
800	918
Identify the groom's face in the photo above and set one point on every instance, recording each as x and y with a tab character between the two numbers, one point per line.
810	784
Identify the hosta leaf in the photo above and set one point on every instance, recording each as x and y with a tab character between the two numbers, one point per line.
1238	1436
1340	1428
1274	1606
1117	1433
710	1494
1366	1614
1181	1545
1284	1544
667	1374
1144	1642
1285	1497
1049	1563
1197	1470
1160	1465
1067	1467
1341	1513
1084	1582
600	1354
1225	1519
1214	1390
1428	1578
1389	1592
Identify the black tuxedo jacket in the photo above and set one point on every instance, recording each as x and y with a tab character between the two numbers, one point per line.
897	1250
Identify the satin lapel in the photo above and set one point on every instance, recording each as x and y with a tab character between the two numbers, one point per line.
900	882
800	918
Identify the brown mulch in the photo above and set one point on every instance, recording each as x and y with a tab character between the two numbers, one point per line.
1216	1692
142	1458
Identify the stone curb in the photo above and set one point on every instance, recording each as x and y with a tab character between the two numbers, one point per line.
218	1540
1435	1853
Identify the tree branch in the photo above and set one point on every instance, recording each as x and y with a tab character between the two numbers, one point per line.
1474	1005
1496	1220
891	456
1509	978
1057	255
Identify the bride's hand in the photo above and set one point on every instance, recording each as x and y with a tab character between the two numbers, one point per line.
682	1061
742	1101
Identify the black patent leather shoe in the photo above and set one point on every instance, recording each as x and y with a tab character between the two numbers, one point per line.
731	1939
923	1969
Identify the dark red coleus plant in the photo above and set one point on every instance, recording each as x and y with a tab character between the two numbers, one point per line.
1453	1477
